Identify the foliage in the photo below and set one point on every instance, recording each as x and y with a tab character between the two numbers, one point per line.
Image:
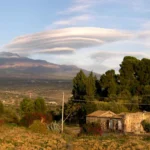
38	127
29	106
1	108
79	86
39	105
29	118
11	115
91	129
130	87
108	83
90	87
145	103
146	125
54	126
112	106
75	112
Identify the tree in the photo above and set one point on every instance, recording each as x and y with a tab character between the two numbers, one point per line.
79	86
1	107
128	74
90	87
39	105
145	103
108	83
143	72
27	106
98	92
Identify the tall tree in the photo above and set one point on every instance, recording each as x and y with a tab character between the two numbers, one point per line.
90	86
79	86
143	72
108	83
128	75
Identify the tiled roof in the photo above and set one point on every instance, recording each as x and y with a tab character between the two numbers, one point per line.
100	113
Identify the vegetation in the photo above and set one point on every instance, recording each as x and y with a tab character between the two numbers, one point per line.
1	108
21	138
91	129
130	87
127	91
146	125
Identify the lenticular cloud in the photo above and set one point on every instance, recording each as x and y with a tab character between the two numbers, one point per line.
65	41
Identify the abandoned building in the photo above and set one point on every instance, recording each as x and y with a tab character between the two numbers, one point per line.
124	122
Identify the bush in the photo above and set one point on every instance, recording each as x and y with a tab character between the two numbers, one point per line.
11	115
29	106
92	129
112	106
38	127
146	125
29	118
39	105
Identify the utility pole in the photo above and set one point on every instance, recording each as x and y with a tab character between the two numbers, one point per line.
62	119
30	95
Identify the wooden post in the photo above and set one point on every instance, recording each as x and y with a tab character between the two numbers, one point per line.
62	120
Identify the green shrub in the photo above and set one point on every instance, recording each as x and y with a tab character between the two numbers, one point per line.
112	106
38	127
29	105
146	125
29	118
11	116
91	128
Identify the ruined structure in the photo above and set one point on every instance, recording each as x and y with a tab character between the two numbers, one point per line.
132	121
124	122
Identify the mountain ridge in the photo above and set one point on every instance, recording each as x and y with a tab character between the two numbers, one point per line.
13	65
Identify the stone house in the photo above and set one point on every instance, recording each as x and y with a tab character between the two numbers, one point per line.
124	122
108	120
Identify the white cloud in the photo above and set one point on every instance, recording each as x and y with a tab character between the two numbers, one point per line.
64	40
105	60
75	9
57	50
103	55
73	20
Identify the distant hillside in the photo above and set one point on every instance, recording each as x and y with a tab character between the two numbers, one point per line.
13	65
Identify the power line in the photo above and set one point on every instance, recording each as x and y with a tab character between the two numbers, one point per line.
84	101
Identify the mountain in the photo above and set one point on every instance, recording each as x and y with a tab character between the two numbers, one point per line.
13	65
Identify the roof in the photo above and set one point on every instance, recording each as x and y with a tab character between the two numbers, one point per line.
100	113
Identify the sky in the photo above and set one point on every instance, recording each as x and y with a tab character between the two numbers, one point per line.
91	34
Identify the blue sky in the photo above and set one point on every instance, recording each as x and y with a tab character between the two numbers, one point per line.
92	34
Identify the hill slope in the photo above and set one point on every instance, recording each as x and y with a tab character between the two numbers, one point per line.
12	65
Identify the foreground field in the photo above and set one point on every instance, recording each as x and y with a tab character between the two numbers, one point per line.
17	138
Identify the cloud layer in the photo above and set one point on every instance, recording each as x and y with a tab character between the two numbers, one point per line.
104	60
65	40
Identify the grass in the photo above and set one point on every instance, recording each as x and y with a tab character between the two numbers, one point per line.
17	138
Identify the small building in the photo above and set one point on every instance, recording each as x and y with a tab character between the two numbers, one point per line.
108	120
125	122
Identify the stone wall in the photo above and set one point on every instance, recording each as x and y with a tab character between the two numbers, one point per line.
132	122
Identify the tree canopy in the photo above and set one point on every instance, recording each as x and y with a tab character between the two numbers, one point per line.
132	81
